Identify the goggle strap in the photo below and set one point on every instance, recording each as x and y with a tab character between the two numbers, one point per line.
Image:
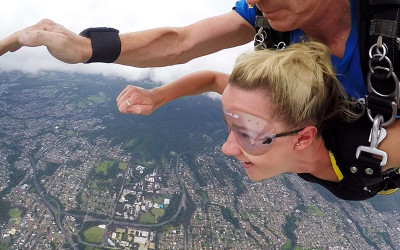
269	140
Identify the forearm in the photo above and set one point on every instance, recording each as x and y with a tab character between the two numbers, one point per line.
191	84
150	48
169	46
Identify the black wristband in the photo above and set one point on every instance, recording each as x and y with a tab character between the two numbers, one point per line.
106	44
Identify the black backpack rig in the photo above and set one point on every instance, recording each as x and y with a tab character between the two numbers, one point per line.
378	23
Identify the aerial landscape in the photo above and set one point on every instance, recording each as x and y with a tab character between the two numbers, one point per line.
77	174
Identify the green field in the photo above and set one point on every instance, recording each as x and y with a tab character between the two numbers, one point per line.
14	213
151	217
315	211
148	218
158	212
158	200
80	104
244	216
103	166
95	99
68	132
93	234
203	195
123	165
94	185
90	99
130	143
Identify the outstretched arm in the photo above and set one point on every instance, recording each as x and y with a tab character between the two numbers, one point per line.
148	48
135	100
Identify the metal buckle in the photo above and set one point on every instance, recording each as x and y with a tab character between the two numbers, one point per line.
373	148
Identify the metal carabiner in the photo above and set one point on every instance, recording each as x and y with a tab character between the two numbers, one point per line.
395	94
259	39
373	148
392	118
281	46
373	68
376	47
376	131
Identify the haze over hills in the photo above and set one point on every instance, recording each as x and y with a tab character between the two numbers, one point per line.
77	174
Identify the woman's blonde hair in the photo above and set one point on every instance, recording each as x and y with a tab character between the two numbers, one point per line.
300	80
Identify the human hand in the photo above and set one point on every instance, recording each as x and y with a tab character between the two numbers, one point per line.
63	44
136	100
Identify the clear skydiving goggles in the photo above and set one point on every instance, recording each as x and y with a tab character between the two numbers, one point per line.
254	135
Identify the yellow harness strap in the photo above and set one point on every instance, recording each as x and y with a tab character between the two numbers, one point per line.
335	166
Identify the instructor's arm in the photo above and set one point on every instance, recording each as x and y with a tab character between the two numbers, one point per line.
148	48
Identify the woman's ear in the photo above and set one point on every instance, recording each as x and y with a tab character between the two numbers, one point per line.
305	137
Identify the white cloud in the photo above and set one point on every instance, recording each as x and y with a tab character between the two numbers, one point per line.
125	15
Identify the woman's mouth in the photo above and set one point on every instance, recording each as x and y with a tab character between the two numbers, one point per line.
247	164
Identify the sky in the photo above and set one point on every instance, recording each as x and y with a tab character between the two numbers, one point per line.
124	15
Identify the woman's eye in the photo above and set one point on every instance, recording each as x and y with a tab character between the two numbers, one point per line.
244	135
265	136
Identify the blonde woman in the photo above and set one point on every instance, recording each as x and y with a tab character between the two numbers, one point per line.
287	113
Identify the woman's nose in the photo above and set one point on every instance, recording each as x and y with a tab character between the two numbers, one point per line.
231	146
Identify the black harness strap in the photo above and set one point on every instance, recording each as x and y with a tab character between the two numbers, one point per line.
379	43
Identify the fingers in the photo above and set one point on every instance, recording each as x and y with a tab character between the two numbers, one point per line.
137	109
32	38
52	40
24	37
45	32
135	100
123	92
124	95
63	44
138	95
10	44
130	109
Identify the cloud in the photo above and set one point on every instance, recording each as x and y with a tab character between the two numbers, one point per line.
125	15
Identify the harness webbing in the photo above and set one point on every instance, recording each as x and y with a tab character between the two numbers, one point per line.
379	43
